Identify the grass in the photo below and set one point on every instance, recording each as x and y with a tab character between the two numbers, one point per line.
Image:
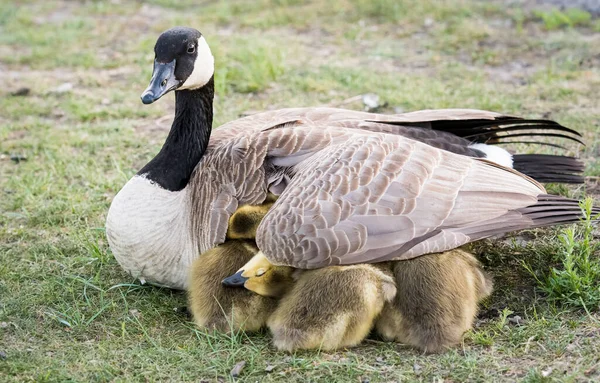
576	282
250	67
68	312
571	17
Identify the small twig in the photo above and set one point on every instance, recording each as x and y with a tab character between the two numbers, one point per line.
528	343
237	369
346	101
591	369
542	346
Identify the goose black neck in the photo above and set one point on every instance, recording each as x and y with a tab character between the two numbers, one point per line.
187	141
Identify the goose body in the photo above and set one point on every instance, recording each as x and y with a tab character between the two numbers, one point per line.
353	187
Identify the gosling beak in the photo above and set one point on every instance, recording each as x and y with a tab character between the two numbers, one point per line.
235	280
255	267
163	80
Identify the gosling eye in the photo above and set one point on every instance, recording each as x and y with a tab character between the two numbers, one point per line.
191	49
260	272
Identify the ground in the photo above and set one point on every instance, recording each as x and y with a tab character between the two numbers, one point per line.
73	131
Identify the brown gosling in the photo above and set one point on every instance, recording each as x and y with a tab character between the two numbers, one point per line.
222	308
437	300
244	222
331	308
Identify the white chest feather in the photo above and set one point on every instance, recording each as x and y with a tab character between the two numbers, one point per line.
149	232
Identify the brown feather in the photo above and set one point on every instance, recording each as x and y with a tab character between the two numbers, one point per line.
339	172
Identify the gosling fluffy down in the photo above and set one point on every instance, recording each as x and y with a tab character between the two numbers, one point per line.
331	308
226	309
223	308
244	222
437	300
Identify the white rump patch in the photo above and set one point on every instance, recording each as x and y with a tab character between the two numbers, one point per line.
495	154
204	67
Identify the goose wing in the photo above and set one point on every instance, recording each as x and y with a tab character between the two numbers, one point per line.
436	127
249	155
374	197
454	130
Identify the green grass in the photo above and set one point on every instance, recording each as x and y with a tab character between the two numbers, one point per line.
69	313
251	67
576	282
571	17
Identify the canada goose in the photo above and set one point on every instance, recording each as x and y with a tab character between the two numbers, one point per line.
331	307
353	187
436	301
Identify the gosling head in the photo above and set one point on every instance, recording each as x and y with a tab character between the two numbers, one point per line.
263	278
182	60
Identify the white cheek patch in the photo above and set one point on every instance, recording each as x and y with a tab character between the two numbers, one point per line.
495	154
204	67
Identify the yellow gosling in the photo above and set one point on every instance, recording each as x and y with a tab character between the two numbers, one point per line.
437	300
245	220
218	307
331	308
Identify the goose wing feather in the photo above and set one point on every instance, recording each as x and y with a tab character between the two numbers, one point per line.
374	197
449	129
294	147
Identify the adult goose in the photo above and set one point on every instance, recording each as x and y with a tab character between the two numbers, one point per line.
353	187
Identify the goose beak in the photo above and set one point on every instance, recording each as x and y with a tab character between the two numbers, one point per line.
163	80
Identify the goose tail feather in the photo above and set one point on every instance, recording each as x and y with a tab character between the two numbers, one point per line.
550	168
554	210
503	130
549	210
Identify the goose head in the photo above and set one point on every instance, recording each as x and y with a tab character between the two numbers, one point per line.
182	60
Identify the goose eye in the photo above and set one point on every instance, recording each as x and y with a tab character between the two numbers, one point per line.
260	272
191	49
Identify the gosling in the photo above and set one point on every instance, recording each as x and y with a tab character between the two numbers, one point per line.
331	308
221	308
437	300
